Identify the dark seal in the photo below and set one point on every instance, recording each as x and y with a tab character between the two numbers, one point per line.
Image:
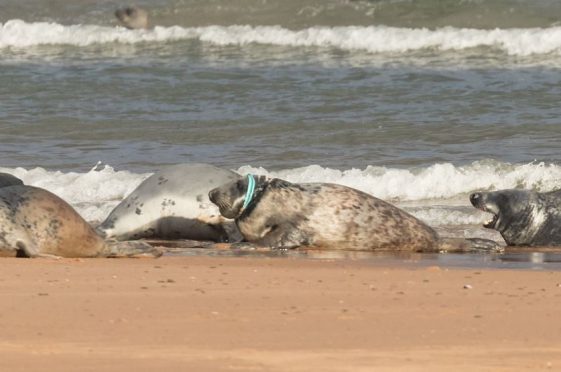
7	179
278	214
523	217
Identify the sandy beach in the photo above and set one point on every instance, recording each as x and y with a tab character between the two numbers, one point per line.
274	314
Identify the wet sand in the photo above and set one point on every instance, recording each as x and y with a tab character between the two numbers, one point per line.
274	314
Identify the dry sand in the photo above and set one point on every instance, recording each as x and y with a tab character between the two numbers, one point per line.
274	314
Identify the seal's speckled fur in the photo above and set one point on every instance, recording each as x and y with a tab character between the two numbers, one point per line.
173	204
288	215
37	223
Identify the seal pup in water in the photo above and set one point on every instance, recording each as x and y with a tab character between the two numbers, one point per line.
173	204
278	214
132	17
7	179
36	223
523	217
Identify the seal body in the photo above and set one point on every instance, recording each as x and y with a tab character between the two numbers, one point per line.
523	217
35	223
132	17
173	204
9	180
287	215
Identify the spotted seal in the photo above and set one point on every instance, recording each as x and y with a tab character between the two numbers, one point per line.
278	214
7	179
36	223
132	17
523	217
173	204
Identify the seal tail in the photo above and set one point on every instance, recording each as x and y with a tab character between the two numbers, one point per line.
471	245
131	249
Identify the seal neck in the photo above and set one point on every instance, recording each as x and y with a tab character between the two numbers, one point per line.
250	191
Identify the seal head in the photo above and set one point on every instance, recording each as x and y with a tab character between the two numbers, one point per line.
236	198
523	217
132	17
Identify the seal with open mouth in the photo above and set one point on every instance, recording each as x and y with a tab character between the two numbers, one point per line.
523	217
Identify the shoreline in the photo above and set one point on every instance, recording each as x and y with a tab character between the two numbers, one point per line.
270	314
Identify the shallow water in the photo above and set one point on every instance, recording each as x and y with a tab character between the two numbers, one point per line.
530	260
418	103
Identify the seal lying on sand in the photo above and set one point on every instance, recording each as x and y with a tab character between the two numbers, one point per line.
522	217
279	214
132	17
173	204
9	180
37	223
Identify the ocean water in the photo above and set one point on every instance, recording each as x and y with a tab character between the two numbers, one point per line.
416	102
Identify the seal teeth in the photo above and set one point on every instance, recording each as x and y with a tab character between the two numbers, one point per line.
490	224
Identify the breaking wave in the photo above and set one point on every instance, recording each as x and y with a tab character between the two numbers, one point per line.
373	39
436	194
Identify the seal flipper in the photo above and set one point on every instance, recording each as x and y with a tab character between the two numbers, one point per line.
283	236
28	249
130	249
470	245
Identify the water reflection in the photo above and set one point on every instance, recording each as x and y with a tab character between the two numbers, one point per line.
534	258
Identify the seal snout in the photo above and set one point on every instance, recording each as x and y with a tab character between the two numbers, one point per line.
475	199
222	198
478	200
213	195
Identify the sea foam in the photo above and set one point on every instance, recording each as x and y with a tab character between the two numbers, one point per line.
375	39
94	194
438	181
437	194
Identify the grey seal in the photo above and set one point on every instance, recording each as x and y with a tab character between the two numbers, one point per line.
7	179
173	204
278	214
523	217
36	223
132	17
